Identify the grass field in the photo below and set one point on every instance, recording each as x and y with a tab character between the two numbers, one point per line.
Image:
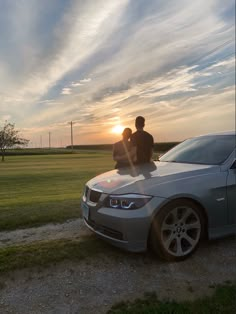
223	301
46	188
44	253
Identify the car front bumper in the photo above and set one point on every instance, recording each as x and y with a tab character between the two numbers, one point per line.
126	229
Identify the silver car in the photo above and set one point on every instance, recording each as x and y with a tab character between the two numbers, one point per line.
169	205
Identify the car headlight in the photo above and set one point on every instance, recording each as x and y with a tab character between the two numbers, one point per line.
127	201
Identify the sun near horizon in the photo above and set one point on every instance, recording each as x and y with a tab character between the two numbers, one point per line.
117	129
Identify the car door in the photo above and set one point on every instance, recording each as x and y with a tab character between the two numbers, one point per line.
231	193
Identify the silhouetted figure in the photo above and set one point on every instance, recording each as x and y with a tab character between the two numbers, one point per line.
123	153
142	141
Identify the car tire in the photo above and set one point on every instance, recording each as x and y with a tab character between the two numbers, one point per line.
177	230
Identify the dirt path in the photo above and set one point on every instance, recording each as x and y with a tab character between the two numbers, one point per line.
93	285
71	229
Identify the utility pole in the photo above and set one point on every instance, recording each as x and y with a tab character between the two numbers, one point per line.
49	140
71	134
41	142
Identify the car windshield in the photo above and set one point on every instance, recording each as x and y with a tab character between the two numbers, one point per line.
209	150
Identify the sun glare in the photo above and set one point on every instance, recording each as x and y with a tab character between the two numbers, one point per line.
118	129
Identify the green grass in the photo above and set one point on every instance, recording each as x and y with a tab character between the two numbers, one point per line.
36	151
39	189
42	254
223	301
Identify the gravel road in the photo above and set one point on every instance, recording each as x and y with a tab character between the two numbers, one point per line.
93	285
71	229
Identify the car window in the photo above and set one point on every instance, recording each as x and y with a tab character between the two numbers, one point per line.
210	150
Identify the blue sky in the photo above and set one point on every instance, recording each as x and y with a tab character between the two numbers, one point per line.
101	63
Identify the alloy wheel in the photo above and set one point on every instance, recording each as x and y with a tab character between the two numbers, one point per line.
181	231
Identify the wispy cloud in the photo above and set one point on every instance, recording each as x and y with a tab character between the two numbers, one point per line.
81	23
93	61
74	84
66	91
228	63
86	80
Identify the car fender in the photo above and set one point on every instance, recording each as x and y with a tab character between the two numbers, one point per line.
208	190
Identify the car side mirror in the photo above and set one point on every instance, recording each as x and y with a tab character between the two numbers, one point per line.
233	165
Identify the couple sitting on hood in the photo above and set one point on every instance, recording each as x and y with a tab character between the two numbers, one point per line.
136	148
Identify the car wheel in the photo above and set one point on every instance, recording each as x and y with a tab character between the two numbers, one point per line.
177	230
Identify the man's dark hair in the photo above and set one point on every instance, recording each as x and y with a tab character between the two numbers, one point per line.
140	122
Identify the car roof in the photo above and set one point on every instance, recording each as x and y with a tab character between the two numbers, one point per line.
219	133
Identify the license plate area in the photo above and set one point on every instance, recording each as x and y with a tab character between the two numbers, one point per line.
85	209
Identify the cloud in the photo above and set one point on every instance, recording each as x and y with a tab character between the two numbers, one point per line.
228	63
81	32
86	80
74	84
114	59
5	118
80	82
50	102
66	91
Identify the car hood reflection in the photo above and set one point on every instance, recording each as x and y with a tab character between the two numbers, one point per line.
160	172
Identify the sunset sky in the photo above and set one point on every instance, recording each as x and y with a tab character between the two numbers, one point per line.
101	63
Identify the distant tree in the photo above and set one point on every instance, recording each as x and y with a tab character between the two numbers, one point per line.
9	137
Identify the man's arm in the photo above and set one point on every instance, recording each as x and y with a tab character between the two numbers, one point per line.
133	154
130	155
115	153
133	150
117	156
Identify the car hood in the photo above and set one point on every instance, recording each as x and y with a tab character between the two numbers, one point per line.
121	180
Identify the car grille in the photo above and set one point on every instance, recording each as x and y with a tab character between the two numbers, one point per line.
92	195
105	230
